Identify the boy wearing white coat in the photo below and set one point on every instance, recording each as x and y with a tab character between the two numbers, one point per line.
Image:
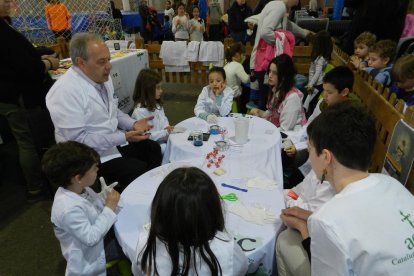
81	218
216	98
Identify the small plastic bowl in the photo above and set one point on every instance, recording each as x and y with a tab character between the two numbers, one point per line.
222	145
215	129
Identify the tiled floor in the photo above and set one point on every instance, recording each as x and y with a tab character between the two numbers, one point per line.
27	242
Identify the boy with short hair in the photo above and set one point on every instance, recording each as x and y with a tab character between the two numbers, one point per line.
80	217
380	56
361	47
337	86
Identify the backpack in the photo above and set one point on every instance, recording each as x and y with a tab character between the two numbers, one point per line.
284	44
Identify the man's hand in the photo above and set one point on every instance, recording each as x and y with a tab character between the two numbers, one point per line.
135	136
256	112
250	25
290	151
142	125
297	212
296	218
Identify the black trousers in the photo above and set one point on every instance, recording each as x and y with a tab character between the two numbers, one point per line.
137	158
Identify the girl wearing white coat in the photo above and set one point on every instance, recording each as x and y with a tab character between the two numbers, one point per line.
216	98
148	103
186	219
81	218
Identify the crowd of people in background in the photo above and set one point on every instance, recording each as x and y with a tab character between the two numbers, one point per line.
325	126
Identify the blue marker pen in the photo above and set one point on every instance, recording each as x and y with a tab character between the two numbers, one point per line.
233	187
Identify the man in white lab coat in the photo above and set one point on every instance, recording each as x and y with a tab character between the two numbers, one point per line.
367	228
84	108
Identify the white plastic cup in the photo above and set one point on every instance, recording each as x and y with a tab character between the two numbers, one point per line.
241	130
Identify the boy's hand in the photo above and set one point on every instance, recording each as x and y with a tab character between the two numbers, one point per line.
255	112
169	129
112	200
290	150
142	125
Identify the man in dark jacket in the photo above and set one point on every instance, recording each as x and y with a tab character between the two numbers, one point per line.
237	13
22	75
383	18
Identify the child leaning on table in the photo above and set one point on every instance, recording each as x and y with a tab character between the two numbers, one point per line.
187	235
379	63
361	47
148	103
216	98
81	218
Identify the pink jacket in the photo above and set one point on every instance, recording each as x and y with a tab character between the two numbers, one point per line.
285	43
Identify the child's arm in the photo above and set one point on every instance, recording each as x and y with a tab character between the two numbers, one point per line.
77	224
320	64
174	24
241	74
226	102
204	103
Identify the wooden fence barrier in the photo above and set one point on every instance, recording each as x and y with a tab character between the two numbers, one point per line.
384	106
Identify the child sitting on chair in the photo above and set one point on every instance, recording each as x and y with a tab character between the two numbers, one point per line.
148	103
380	56
235	73
403	77
216	98
81	218
361	47
187	235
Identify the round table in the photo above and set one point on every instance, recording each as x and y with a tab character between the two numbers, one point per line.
257	241
262	152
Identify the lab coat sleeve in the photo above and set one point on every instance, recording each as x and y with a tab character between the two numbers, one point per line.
271	22
290	112
240	262
77	224
124	121
141	113
227	101
174	24
320	63
204	103
328	255
241	74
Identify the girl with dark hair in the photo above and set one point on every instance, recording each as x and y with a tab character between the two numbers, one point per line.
284	106
320	56
216	98
187	235
148	103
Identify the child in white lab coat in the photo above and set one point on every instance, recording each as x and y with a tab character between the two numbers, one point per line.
187	235
81	218
216	98
148	103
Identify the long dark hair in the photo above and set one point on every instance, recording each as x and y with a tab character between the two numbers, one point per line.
144	92
186	214
322	46
285	77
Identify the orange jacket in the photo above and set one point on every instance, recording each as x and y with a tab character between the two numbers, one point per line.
58	17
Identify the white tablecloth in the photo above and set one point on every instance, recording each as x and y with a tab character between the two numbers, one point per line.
257	241
261	153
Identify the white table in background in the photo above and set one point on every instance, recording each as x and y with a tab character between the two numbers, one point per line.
257	241
126	64
261	153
